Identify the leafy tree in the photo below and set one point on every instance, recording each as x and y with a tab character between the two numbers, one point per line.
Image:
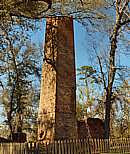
109	71
19	64
19	96
38	9
88	97
23	8
10	11
115	26
122	102
121	20
119	117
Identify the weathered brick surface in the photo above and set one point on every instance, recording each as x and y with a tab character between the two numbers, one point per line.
57	110
91	127
96	127
82	129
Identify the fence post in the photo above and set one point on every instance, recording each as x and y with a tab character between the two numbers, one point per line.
75	146
89	147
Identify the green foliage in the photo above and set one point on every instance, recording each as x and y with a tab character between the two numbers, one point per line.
21	8
120	112
20	67
81	111
93	106
87	95
87	73
19	96
38	8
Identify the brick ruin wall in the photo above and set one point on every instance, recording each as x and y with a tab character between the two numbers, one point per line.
91	127
57	109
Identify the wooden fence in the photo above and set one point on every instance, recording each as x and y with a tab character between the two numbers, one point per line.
82	146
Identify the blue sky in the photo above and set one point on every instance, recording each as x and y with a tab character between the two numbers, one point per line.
80	41
82	44
38	37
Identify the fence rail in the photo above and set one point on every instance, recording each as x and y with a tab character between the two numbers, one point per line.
77	146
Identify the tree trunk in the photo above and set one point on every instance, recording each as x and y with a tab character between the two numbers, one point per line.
107	116
111	77
112	67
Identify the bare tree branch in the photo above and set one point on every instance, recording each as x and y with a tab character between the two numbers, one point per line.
102	73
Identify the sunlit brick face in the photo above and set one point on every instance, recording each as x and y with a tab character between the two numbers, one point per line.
57	109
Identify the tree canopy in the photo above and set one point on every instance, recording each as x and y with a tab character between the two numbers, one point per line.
19	60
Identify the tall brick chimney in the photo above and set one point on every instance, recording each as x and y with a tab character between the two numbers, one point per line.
57	109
